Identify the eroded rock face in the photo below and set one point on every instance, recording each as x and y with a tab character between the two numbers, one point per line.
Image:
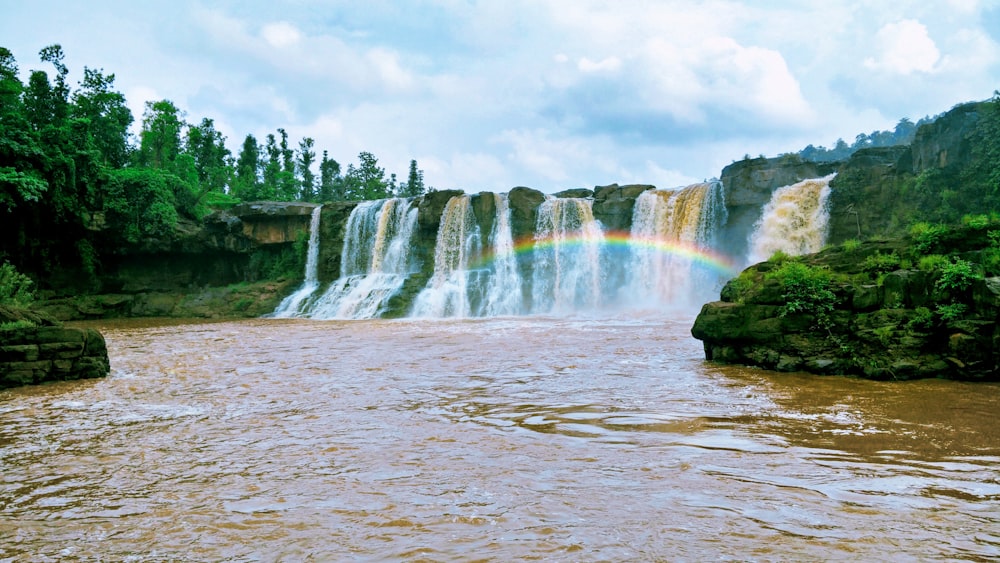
524	204
614	204
258	223
943	142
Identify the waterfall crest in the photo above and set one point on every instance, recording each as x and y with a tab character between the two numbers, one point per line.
470	278
374	262
567	257
295	304
668	228
794	221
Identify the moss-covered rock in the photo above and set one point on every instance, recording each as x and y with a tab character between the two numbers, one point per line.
32	354
909	323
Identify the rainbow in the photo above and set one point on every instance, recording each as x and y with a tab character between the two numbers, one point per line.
625	241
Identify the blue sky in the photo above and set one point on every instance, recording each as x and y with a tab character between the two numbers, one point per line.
549	94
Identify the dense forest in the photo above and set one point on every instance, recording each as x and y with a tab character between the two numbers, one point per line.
72	173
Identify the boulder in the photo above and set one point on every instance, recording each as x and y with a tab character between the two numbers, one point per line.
32	355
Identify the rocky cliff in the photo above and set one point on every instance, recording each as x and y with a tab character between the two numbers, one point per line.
925	307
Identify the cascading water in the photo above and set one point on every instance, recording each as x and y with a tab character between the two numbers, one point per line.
794	221
670	228
503	292
458	240
464	283
567	261
295	304
374	262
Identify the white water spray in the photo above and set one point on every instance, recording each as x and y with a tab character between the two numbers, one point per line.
668	227
374	263
295	304
794	221
465	282
567	267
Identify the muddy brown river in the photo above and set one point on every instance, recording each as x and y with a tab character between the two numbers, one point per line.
486	440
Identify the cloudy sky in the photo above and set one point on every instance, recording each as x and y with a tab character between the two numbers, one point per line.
552	94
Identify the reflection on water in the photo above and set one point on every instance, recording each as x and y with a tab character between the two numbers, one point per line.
554	439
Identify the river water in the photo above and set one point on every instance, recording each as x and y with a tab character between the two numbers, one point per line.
567	439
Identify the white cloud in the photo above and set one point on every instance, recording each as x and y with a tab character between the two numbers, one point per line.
904	47
281	34
609	64
547	93
719	72
386	62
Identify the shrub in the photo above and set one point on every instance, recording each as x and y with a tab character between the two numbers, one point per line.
780	257
219	200
923	319
978	222
15	287
951	312
994	237
879	263
991	261
738	289
806	290
932	262
927	237
850	245
884	334
957	276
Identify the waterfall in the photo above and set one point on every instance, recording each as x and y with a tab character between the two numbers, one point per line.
669	229
567	261
464	282
503	293
458	240
794	221
374	261
294	304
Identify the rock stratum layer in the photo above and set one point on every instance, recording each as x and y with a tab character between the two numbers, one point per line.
39	354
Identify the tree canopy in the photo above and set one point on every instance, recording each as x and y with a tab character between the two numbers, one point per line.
70	168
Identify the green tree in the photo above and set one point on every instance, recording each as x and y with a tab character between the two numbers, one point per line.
331	185
247	184
272	168
207	148
306	158
414	185
160	138
367	181
288	189
139	203
107	115
21	178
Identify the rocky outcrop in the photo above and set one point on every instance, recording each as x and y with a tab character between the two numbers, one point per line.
944	142
613	205
35	349
237	262
860	311
524	204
